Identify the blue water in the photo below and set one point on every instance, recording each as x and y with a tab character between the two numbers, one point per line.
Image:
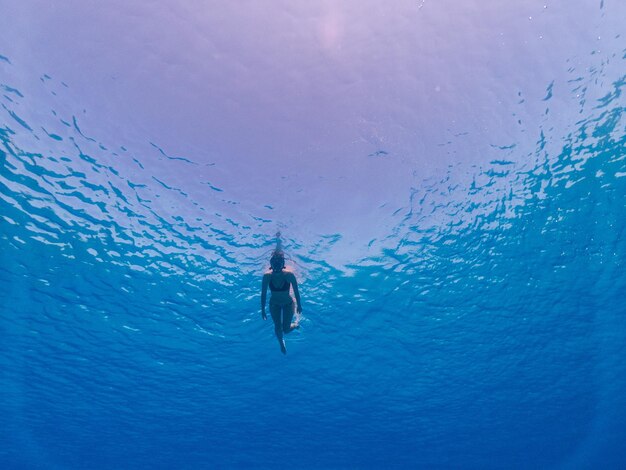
486	329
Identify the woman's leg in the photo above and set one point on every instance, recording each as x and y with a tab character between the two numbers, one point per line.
275	310
288	311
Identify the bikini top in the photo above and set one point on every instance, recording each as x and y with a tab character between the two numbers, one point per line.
283	288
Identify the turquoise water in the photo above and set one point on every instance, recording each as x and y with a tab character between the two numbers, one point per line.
482	327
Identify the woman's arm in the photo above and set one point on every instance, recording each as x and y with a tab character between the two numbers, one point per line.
296	293
264	295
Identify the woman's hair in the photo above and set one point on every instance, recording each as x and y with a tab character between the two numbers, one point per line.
277	261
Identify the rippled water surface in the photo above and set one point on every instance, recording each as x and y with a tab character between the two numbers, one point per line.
450	189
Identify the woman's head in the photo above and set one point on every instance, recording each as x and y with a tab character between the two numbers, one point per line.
277	261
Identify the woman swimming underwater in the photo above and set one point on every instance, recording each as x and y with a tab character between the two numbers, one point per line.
280	281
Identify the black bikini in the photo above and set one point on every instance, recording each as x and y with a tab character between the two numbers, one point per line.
283	288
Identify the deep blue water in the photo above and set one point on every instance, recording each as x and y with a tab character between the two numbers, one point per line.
485	330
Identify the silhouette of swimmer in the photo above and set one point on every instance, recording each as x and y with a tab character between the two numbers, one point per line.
279	280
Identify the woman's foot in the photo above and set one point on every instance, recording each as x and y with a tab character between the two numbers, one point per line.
283	349
294	326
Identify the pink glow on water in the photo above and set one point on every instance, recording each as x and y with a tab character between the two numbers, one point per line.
320	110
